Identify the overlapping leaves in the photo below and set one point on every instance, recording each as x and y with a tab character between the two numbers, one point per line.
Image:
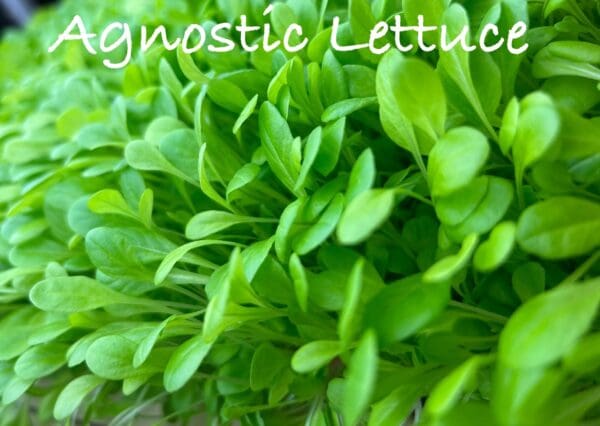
323	238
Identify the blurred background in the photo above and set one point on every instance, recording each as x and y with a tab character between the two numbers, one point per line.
15	13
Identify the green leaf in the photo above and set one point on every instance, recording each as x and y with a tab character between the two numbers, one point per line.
529	280
143	155
132	384
315	355
362	176
560	228
281	149
489	210
205	184
127	253
394	407
109	201
40	361
361	21
214	318
456	208
584	358
432	12
448	391
157	130
240	289
74	393
510	121
331	146
300	282
245	114
537	129
168	78
390	94
303	84
210	222
445	269
168	263
73	294
15	389
492	253
568	57
348	321
180	148
548	326
346	107
111	357
360	379
184	362
189	68
422	101
311	150
227	95
28	231
284	230
322	198
455	63
334	86
254	256
243	177
278	82
15	333
578	136
364	215
456	160
403	308
320	231
147	344
37	253
361	80
536	389
146	206
267	364
487	79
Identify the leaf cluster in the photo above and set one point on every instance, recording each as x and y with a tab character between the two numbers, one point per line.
324	239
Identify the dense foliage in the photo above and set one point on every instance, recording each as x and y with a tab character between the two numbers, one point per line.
312	239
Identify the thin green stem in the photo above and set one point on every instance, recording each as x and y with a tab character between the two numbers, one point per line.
519	185
260	330
181	305
181	277
421	164
480	312
188	293
582	269
409	193
157	306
